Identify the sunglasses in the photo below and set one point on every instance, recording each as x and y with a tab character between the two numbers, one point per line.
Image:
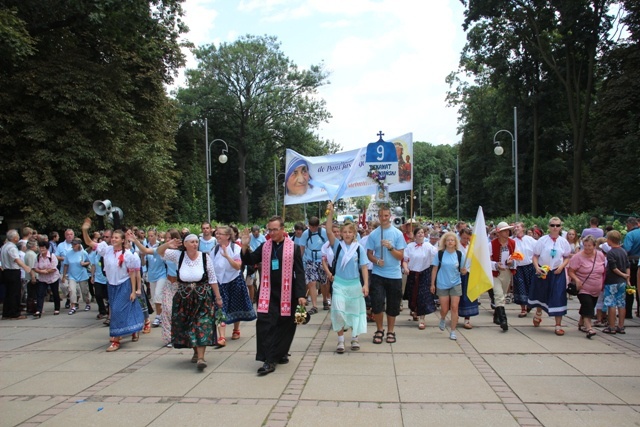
555	225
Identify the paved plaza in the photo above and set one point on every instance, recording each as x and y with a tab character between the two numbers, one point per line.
55	372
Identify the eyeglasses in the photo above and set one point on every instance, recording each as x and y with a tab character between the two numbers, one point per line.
555	225
273	230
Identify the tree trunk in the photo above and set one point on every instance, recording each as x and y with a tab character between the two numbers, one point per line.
244	194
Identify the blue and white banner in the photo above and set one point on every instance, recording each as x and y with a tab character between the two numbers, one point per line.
345	174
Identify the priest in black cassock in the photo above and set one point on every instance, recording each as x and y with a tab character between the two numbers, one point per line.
282	288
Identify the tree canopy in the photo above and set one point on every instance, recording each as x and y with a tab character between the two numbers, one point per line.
83	108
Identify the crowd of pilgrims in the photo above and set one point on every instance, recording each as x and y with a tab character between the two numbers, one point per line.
194	285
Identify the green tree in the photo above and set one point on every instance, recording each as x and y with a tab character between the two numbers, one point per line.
256	99
85	115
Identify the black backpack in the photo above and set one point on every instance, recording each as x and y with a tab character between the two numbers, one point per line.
441	254
334	264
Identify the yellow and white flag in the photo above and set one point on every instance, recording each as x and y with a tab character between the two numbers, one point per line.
480	277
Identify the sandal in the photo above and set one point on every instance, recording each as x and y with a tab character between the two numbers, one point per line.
523	313
201	364
115	345
467	325
56	312
147	327
377	337
421	326
194	358
236	334
221	342
582	328
620	330
559	331
413	317
537	319
391	337
609	330
135	336
591	333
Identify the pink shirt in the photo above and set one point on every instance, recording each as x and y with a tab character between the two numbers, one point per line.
47	263
582	265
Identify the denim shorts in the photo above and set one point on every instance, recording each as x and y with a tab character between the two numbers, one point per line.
614	295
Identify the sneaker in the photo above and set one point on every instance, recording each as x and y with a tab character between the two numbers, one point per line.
72	311
442	324
87	307
329	302
340	348
156	322
453	336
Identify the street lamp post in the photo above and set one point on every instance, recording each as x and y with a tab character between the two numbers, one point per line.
222	159
448	181
498	150
432	218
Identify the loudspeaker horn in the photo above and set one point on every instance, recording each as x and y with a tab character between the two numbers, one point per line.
102	207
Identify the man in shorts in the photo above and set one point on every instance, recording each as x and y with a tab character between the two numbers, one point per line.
385	249
312	240
617	278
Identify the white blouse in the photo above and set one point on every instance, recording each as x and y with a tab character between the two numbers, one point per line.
552	253
116	272
224	271
191	270
525	246
419	258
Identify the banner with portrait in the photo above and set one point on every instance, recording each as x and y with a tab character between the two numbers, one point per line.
344	174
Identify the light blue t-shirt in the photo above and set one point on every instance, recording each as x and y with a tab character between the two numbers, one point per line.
448	273
256	241
352	269
207	245
172	268
63	248
312	243
98	277
391	268
75	271
156	267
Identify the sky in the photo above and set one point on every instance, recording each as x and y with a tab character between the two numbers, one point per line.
388	59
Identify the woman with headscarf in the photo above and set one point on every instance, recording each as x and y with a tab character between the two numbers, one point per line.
192	318
121	267
297	177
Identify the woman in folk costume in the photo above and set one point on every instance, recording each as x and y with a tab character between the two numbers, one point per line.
236	303
282	287
503	268
417	265
348	306
192	317
549	290
121	267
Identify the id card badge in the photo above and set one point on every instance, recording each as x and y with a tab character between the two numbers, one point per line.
275	264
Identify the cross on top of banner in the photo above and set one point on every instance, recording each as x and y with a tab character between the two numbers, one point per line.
380	134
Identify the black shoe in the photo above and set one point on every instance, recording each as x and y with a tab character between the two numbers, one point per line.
67	305
267	368
283	360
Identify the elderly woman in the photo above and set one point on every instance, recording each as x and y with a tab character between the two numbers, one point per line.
192	317
120	268
48	278
417	266
74	267
587	269
227	264
447	276
549	289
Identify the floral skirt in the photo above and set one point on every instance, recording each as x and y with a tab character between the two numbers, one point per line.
168	292
192	316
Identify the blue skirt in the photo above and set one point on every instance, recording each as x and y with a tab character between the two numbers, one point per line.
522	283
236	302
466	307
549	294
126	315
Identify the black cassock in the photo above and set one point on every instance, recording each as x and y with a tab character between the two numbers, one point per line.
274	333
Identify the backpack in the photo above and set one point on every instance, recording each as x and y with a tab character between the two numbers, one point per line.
317	233
217	248
441	254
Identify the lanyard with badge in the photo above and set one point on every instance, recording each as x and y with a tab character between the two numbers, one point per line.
275	263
